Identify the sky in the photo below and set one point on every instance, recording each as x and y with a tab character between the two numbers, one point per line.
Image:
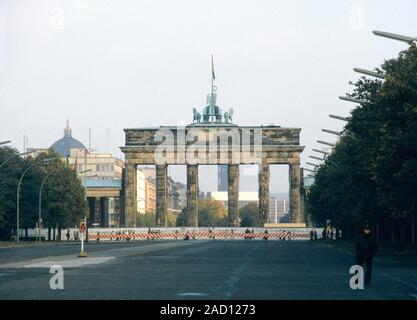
109	65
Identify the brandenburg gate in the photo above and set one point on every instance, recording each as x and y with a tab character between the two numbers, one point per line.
212	138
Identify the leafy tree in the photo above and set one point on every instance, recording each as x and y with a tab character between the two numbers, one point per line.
249	215
146	220
211	213
63	201
171	219
372	173
182	218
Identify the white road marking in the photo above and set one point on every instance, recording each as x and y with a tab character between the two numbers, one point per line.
64	261
72	263
229	287
403	283
191	294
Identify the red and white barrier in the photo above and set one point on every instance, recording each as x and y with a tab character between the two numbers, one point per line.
220	235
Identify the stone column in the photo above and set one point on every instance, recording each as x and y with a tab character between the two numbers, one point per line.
233	194
130	195
91	211
295	194
305	217
192	195
161	194
263	193
104	209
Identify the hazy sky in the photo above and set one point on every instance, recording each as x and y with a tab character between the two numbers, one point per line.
109	65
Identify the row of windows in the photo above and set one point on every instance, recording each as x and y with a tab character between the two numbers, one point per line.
105	167
99	167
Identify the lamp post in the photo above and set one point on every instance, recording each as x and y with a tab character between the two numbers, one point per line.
316	158
336	133
4	142
40	206
326	143
85	190
18	194
354	100
306	169
370	73
322	151
339	117
12	157
315	165
394	36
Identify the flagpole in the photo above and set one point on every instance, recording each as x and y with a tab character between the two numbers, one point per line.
212	75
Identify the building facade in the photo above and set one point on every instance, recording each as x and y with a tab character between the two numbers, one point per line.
103	166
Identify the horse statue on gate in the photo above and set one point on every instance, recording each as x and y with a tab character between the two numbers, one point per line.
196	116
228	116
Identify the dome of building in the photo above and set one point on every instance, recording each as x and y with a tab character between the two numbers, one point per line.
65	144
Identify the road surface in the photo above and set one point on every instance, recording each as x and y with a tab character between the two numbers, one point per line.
196	269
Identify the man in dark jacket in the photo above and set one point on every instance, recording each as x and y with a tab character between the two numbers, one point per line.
366	248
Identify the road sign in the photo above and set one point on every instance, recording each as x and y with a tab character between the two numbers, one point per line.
82	227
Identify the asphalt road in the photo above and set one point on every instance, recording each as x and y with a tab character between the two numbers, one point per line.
212	269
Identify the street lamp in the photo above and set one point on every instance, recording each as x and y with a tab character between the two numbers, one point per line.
313	164
394	36
354	100
4	142
326	143
18	194
40	205
85	191
370	73
337	133
316	158
339	117
322	151
14	156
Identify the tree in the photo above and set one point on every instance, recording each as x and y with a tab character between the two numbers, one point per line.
10	174
64	195
372	173
249	215
63	201
146	220
182	218
211	213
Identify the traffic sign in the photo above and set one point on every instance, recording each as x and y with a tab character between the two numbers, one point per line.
82	227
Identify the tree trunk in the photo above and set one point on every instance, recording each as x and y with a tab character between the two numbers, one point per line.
403	231
392	233
53	233
59	232
49	233
355	230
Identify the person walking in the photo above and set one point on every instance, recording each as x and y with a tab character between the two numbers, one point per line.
366	248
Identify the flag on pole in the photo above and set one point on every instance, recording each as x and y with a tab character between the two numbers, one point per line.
212	68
